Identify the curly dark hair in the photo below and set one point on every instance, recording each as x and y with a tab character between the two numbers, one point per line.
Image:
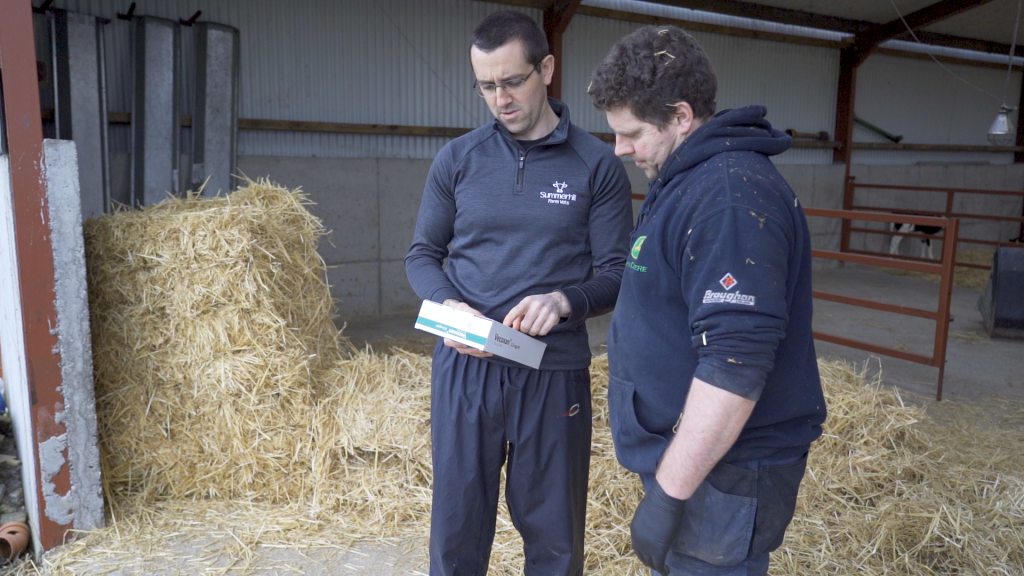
504	26
650	70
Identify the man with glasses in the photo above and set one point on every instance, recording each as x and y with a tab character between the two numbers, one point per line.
533	215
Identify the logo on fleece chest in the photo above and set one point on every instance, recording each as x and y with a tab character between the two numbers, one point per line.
634	253
559	195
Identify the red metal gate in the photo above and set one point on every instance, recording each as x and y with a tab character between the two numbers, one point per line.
951	227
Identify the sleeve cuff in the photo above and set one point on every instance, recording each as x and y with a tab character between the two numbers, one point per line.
744	382
442	294
579	306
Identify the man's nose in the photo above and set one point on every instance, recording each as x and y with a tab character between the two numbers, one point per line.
622	147
501	98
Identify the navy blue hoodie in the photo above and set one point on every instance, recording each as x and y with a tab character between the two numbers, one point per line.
717	286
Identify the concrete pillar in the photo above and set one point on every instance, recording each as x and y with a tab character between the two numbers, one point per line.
215	122
57	445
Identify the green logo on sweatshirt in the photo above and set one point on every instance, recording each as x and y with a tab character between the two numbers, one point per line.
635	252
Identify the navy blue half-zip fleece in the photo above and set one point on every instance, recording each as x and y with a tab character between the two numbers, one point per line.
514	224
718	287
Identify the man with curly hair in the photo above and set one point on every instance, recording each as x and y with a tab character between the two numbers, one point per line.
714	393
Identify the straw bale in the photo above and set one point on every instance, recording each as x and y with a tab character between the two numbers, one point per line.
211	332
231	413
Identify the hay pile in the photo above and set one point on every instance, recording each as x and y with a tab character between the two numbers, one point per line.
334	449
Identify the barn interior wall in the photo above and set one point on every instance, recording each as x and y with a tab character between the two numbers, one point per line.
924	103
369	205
406	62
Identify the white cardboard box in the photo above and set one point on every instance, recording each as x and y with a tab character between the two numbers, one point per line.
480	333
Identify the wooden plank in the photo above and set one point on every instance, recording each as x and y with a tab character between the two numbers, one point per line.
933	147
940	190
344	128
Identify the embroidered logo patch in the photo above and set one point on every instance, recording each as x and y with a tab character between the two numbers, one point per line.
574	410
728	281
635	252
712	297
559	196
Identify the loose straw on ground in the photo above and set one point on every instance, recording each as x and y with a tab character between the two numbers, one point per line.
237	426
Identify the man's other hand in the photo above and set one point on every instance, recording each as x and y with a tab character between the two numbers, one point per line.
462	348
537	315
654	527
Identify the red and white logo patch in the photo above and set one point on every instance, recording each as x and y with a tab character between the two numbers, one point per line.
728	281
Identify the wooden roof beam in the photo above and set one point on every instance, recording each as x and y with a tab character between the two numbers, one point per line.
867	40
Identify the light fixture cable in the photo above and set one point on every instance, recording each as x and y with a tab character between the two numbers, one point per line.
954	74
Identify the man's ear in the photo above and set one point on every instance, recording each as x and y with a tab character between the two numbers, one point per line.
547	69
683	120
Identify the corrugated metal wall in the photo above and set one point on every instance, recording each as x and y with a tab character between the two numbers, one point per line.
359	61
407	62
922	102
796	83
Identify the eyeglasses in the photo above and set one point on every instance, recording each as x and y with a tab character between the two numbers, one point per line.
510	86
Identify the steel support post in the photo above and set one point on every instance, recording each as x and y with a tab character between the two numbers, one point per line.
1018	157
556	21
215	121
156	116
28	311
844	132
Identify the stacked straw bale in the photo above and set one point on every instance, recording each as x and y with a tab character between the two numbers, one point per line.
212	335
221	378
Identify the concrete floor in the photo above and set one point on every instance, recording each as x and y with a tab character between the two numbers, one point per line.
977	367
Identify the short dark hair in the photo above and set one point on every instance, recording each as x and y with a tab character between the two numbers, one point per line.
502	27
650	70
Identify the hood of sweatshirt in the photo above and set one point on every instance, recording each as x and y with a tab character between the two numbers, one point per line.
737	130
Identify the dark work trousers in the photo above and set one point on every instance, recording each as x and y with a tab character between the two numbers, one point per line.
737	516
483	414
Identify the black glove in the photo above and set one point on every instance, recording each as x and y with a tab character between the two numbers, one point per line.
654	527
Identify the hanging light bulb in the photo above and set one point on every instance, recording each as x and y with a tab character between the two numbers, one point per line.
1001	133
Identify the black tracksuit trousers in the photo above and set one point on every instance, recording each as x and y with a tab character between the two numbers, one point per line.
483	415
